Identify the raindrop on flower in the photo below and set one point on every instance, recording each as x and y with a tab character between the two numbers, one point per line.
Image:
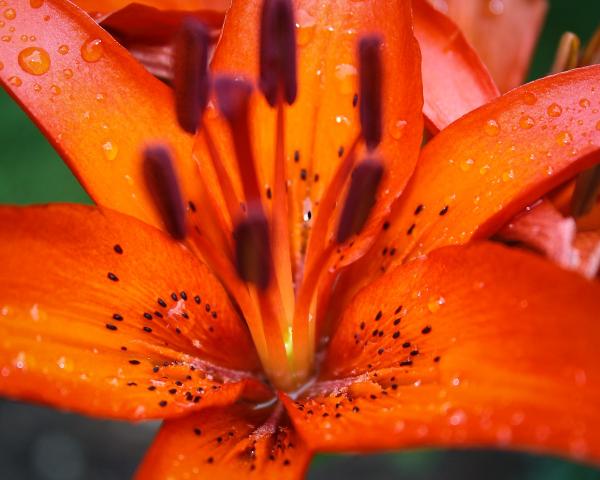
34	60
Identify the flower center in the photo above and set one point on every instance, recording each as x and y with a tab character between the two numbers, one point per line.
280	308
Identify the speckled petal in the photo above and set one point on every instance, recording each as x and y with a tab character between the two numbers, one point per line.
105	315
225	443
475	345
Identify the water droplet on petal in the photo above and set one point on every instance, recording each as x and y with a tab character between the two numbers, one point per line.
466	165
10	14
110	150
15	81
584	103
435	303
92	50
492	128
68	73
306	25
496	7
63	49
508	175
564	138
529	98
34	60
55	89
397	128
347	76
526	122
554	110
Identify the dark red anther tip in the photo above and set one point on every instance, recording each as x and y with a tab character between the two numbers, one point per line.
191	77
278	51
161	181
361	198
253	253
370	74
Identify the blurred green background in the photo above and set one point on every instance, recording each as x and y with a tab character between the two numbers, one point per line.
39	443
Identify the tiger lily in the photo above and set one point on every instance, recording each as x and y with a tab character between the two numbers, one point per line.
298	275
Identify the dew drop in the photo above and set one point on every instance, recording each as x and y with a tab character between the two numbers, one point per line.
584	103
346	75
34	60
492	128
55	89
68	73
508	175
110	150
15	81
554	110
496	7
306	26
10	14
397	128
485	169
63	49
37	87
529	98
92	50
564	138
435	303
526	122
466	165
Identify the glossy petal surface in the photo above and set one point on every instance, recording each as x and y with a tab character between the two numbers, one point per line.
473	346
105	315
455	81
504	33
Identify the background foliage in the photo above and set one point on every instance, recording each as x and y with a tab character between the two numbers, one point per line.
39	443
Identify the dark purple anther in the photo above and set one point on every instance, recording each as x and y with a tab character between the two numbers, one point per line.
361	198
370	72
278	51
253	253
191	78
161	181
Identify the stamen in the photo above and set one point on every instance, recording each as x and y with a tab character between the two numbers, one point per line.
278	51
591	56
370	72
587	189
567	53
361	198
161	181
191	78
233	98
252	246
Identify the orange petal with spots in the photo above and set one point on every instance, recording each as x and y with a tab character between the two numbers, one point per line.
105	315
95	103
482	170
504	33
455	81
223	443
474	345
323	124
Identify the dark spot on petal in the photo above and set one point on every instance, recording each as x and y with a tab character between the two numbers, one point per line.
111	326
111	276
118	249
426	330
444	210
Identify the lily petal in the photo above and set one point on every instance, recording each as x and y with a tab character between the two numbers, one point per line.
225	443
455	81
505	355
323	124
482	170
504	33
95	104
105	315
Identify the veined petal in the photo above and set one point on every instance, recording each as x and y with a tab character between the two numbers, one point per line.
482	170
455	81
223	443
475	345
323	123
95	103
105	315
504	33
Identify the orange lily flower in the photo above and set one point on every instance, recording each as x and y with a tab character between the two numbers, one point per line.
241	287
503	32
